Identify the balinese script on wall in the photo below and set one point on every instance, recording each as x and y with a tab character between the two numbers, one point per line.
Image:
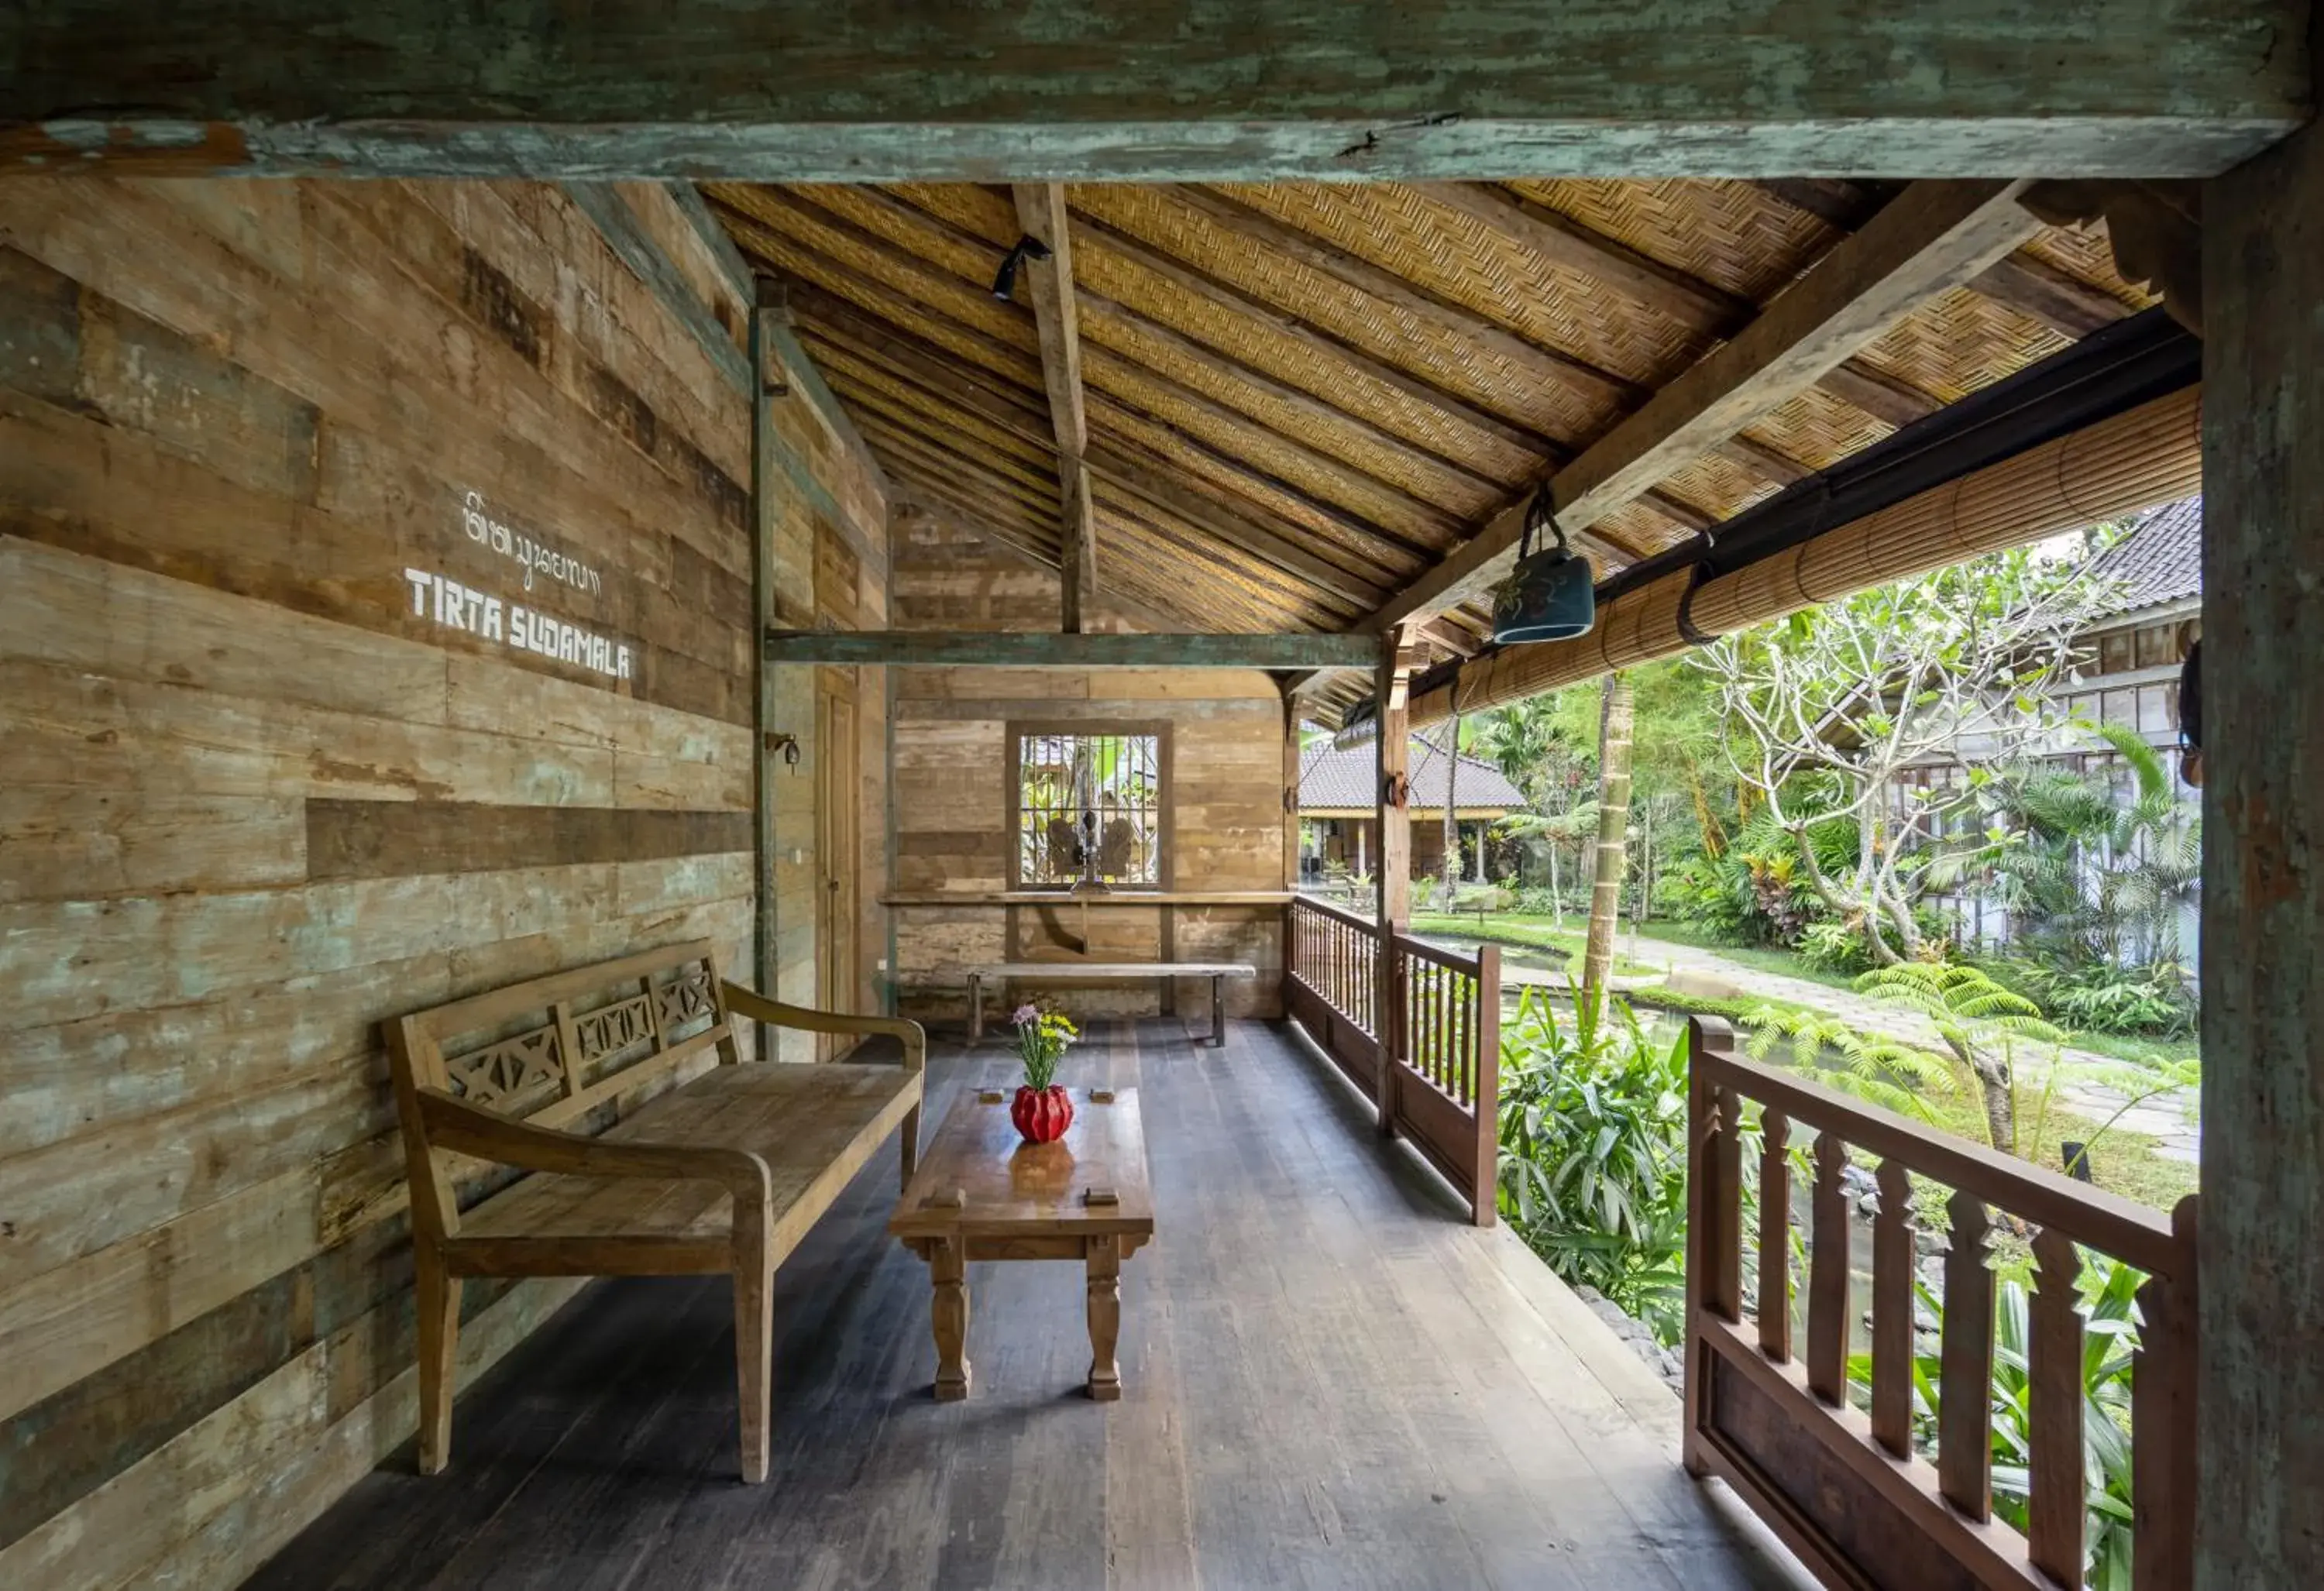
530	555
482	614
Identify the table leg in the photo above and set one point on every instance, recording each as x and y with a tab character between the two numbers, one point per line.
1104	1261
948	1269
1218	1012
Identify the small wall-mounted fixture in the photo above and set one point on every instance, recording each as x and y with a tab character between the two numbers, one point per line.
785	745
1004	280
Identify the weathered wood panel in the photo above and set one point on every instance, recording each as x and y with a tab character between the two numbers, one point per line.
2260	1463
1235	92
1223	802
374	629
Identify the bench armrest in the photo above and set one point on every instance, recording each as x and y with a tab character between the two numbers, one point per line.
453	1124
758	1007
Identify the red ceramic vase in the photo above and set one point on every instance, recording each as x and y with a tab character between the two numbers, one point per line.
1042	1114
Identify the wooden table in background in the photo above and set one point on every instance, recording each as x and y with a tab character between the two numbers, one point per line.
982	1193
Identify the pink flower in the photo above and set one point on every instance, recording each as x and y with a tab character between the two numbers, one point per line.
1025	1014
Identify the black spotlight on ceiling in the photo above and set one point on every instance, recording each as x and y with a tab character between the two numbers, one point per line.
1004	280
1550	594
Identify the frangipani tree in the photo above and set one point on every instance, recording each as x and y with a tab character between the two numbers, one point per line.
1825	709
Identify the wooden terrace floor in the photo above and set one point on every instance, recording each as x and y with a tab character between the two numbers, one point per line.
1328	1379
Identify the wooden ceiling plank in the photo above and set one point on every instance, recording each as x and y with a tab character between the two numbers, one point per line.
877	300
1223	295
1215	561
1761	460
1038	499
1543	364
1157	487
1934	236
1056	315
955	431
1566	242
1877	393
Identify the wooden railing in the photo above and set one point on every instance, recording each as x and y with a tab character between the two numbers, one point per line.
1442	1087
1853	1490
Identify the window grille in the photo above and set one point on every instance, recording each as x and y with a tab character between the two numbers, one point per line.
1089	810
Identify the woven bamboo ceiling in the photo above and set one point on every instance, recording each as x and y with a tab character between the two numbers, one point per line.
1299	397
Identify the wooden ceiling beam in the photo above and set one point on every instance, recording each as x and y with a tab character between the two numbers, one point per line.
1056	314
1113	369
1033	498
800	91
951	431
1178	546
1096	308
2066	305
1761	460
1934	236
1877	393
1547	366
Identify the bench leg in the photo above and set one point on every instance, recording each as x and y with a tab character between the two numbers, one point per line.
440	1346
975	1010
1218	1012
1103	1259
754	1344
948	1269
911	1135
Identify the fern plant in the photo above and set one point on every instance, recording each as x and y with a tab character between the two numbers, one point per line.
1982	1022
1885	1072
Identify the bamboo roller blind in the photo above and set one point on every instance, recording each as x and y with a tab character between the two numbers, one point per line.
2148	455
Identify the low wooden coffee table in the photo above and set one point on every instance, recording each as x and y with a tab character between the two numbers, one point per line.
982	1193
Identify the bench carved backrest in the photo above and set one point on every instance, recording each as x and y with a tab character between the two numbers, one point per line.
551	1049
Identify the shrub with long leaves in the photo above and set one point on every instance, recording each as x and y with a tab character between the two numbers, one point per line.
1593	1151
2110	1338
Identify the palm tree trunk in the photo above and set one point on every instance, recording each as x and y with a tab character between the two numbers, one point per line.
1451	824
1613	819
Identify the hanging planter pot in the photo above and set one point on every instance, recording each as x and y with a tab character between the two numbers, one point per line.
1551	594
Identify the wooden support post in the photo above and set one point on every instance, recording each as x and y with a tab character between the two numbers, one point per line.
2261	1383
765	959
1392	884
1291	760
1041	212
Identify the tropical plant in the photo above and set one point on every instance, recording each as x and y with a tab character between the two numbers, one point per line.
2110	1337
2096	877
1886	1072
1982	1022
1826	708
1593	1151
2100	997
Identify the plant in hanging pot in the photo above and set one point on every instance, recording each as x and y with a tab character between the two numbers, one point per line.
1042	1111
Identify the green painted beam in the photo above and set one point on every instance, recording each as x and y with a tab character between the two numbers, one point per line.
1201	90
930	648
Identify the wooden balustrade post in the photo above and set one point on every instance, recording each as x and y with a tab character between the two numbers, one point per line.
1775	1235
1485	1084
1893	1259
2162	1424
1827	1275
1965	1368
2055	1503
1698	1247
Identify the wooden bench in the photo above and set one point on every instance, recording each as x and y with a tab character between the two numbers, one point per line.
1218	972
724	1173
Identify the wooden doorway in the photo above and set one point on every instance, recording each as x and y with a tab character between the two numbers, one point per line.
838	851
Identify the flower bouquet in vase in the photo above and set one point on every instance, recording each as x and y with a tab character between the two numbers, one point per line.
1042	1111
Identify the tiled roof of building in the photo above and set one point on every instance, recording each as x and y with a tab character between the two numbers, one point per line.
1331	779
2160	561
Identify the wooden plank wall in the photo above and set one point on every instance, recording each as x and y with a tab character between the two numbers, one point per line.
951	801
251	803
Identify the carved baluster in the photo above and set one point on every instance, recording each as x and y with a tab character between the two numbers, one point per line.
1892	1312
2163	1417
1724	1291
1965	1371
2053	1411
1775	1235
1828	1262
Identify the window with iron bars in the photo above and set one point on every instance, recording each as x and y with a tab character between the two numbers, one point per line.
1089	809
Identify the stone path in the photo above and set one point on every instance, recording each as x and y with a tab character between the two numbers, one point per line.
2171	1118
